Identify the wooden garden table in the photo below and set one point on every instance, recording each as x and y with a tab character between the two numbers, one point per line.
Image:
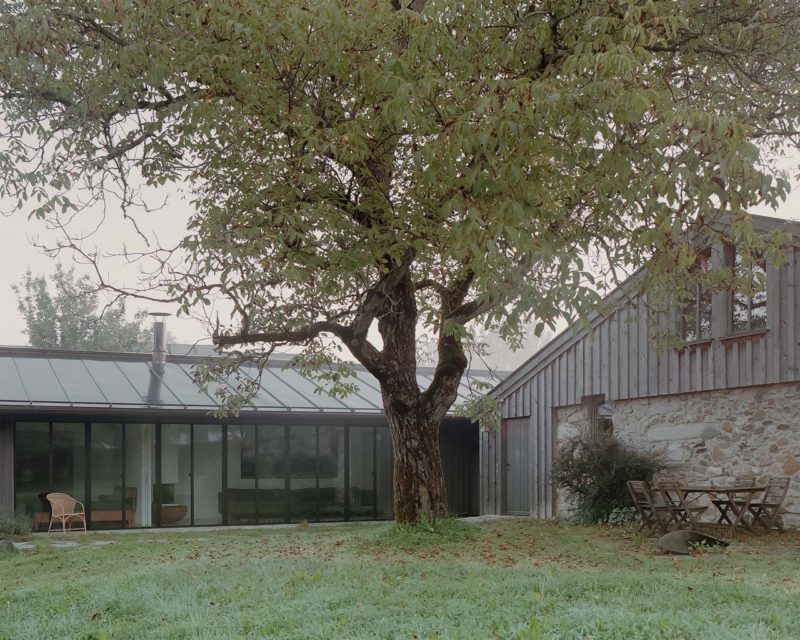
732	504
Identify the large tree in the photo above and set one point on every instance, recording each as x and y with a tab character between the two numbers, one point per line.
364	170
67	313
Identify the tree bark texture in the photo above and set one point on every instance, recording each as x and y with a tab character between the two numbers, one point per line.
414	417
418	479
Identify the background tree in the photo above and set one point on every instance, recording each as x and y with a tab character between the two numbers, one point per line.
71	317
366	169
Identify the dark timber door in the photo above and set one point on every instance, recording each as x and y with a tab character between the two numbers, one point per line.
515	466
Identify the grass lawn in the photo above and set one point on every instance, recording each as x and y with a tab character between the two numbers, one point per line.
507	579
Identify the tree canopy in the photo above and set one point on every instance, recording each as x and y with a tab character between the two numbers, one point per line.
363	170
72	317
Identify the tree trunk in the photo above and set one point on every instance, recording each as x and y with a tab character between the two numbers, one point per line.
414	417
419	487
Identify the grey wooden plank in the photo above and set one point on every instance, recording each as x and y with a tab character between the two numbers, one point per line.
792	350
551	510
569	395
774	278
732	363
579	372
526	394
673	357
613	357
698	368
548	461
746	372
533	452
643	347
540	471
759	362
740	364
597	361
542	453
604	340
719	364
623	376
684	362
663	357
588	367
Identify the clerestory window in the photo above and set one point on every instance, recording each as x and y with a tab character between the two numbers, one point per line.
749	306
697	313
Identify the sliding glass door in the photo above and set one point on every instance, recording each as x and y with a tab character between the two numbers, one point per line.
108	499
207	474
174	509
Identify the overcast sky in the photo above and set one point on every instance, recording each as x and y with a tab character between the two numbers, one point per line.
18	235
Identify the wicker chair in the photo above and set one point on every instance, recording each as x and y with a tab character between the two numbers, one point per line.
66	509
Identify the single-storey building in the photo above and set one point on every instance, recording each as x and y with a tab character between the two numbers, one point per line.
136	441
726	404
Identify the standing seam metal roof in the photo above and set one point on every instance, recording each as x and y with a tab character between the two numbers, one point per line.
51	379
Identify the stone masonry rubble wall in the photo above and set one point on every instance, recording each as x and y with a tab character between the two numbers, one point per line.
713	436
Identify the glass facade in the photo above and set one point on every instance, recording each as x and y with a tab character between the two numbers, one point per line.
142	475
174	483
362	473
331	473
108	504
32	470
303	473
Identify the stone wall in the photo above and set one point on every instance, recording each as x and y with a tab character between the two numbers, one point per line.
714	436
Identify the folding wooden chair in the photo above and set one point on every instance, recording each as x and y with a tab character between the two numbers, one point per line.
767	510
653	516
685	510
724	503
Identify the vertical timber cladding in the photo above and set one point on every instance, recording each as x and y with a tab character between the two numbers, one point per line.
6	464
618	356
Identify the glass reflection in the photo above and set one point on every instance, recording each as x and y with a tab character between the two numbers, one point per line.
109	502
362	473
207	474
176	487
32	471
383	474
242	484
331	475
270	467
139	473
303	461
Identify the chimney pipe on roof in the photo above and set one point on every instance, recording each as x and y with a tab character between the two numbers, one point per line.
159	338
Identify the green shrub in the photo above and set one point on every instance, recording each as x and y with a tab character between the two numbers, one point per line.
593	469
14	524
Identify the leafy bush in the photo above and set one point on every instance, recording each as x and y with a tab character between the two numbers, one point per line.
593	469
14	524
